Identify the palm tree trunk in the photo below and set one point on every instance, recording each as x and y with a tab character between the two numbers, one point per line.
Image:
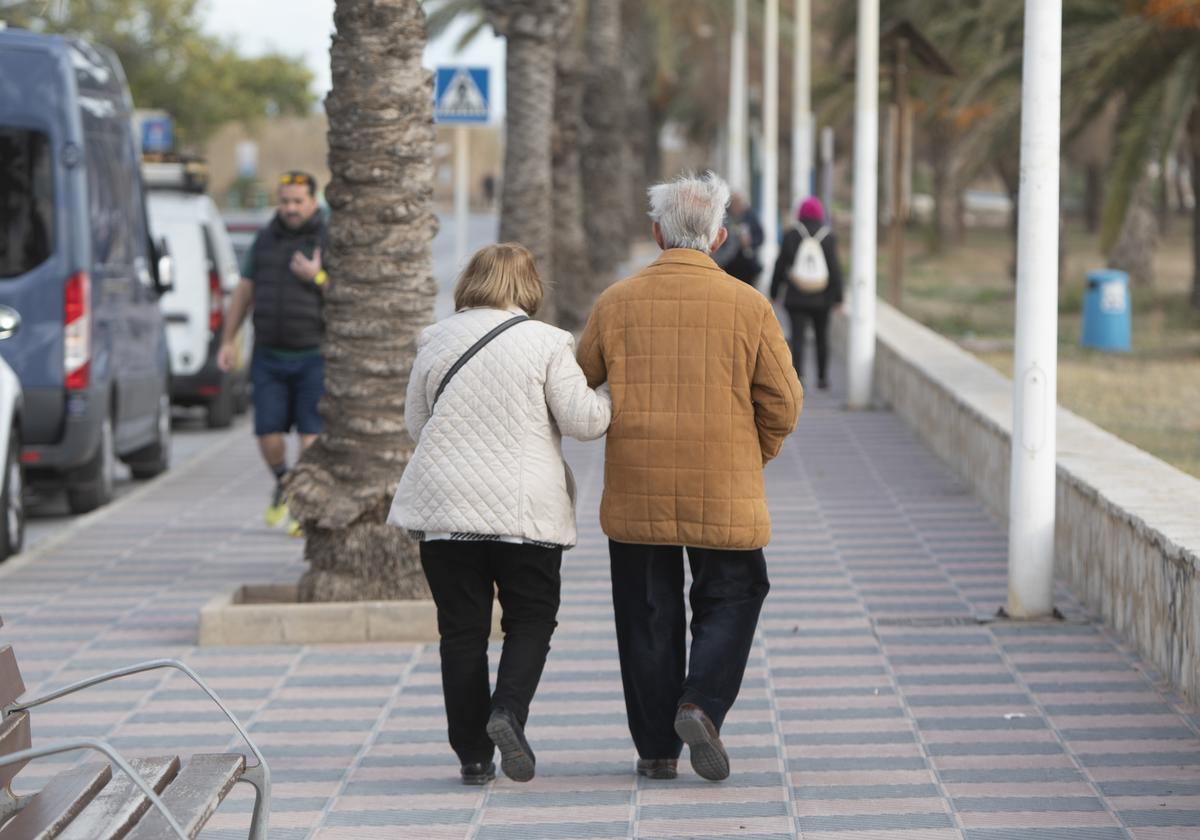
381	295
1194	144
532	29
571	270
640	58
605	155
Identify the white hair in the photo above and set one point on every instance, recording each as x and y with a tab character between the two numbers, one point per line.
690	210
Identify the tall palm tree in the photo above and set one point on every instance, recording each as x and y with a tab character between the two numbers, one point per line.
605	149
381	295
532	30
571	270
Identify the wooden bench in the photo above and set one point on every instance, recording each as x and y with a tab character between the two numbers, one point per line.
138	799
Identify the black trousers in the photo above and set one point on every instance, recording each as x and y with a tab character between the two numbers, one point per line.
820	323
728	589
462	577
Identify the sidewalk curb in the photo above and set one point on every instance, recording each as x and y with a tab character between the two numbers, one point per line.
20	561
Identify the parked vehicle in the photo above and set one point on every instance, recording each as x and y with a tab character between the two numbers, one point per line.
12	505
243	226
78	270
205	273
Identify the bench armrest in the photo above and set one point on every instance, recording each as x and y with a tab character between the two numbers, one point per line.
113	756
141	667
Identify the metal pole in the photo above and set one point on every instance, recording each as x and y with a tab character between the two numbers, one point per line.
827	170
898	213
462	193
1035	363
860	369
770	170
802	118
739	179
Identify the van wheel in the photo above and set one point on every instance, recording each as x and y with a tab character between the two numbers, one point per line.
91	486
154	459
220	410
12	523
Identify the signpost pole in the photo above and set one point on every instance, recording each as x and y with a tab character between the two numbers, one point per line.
462	188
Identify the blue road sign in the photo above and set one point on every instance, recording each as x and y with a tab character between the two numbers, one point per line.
461	95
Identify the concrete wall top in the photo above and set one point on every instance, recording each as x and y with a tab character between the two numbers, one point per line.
1157	498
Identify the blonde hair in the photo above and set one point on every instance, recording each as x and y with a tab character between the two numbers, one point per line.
500	276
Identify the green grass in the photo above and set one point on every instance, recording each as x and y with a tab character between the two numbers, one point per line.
1149	397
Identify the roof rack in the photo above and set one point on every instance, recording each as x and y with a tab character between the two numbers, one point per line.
175	172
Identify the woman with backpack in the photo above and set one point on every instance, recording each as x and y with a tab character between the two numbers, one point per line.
809	270
490	498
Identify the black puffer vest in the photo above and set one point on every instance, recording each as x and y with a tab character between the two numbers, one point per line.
287	310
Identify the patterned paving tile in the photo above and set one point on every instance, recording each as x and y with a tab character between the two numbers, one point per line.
874	706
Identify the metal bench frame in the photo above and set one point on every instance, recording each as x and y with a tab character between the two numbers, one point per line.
257	775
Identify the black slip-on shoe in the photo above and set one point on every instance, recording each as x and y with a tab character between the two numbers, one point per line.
478	772
709	759
658	768
516	758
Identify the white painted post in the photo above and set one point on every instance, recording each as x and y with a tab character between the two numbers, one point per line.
1035	363
803	134
739	103
462	193
860	368
770	169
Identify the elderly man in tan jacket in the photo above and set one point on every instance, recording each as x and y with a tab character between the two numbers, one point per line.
704	395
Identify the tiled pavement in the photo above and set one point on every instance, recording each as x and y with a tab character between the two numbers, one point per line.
875	706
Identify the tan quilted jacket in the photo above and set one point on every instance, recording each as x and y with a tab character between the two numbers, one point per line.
704	394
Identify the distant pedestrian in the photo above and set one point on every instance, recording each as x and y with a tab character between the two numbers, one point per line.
490	498
489	189
738	254
809	270
703	397
284	282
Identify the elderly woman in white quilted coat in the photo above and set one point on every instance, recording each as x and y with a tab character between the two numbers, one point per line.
489	496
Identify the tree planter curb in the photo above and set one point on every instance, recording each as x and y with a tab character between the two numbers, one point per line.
271	615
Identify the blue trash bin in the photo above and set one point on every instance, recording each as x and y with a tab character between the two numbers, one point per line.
1106	311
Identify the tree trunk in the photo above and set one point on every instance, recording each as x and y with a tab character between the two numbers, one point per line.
571	270
1194	143
532	29
1093	196
1133	252
1011	176
605	168
941	149
381	294
642	139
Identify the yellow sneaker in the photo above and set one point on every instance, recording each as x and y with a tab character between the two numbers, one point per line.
277	510
275	515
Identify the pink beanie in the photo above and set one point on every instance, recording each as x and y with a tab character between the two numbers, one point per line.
811	208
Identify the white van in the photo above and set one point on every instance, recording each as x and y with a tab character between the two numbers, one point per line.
205	274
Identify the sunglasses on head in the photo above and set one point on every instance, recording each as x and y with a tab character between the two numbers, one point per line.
295	178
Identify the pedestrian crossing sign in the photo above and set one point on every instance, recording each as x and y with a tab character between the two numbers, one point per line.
461	95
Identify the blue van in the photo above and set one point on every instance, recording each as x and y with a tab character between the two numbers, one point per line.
79	275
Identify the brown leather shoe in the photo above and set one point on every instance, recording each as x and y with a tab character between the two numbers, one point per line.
709	759
658	768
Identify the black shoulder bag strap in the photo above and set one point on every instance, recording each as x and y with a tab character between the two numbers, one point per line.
471	351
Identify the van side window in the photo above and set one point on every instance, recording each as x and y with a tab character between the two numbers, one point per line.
26	200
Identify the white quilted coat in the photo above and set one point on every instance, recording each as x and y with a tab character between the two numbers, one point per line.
489	459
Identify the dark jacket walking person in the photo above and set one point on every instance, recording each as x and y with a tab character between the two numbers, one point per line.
490	498
809	297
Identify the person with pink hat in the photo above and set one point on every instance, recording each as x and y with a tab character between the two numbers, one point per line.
809	270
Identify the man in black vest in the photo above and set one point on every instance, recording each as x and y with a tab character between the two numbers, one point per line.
283	281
